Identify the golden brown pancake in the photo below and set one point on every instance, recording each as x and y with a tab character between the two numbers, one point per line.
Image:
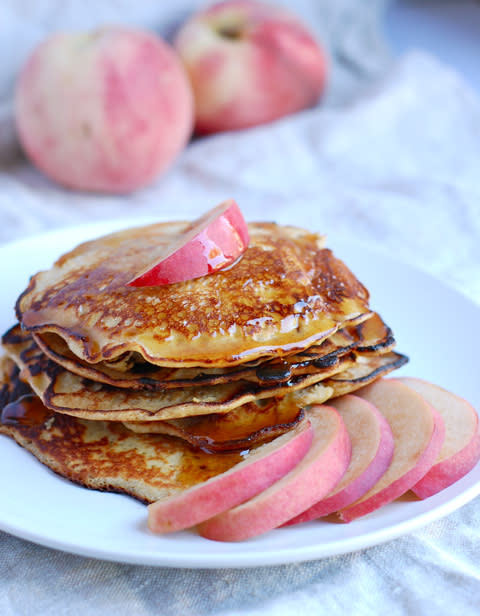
11	387
66	392
133	372
132	389
245	426
284	294
261	420
106	455
366	370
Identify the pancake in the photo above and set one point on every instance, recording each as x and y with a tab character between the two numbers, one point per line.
66	392
250	424
246	426
258	421
284	294
106	455
11	387
365	371
149	391
133	372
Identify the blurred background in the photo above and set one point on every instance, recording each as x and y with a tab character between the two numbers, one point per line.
449	29
362	37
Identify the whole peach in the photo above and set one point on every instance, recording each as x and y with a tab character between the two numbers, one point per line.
249	63
103	111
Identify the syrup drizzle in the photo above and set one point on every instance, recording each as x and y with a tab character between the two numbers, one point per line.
25	411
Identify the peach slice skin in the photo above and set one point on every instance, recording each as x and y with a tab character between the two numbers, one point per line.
210	243
372	452
419	433
461	449
314	477
260	468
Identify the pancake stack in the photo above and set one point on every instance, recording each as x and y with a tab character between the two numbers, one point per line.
150	390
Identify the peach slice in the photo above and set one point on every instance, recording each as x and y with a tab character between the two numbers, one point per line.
461	448
260	468
418	432
209	244
372	452
314	477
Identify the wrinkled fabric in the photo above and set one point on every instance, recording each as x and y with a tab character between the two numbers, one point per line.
432	571
390	159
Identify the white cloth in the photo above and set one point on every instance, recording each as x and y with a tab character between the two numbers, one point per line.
391	160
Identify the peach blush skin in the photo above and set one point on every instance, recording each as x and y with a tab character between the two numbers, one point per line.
461	448
372	451
249	63
104	111
257	472
314	477
214	241
418	432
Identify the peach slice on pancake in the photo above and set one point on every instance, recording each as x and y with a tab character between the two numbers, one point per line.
209	244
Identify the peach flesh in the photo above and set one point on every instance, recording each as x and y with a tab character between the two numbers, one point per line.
255	473
209	244
418	432
461	448
372	451
312	478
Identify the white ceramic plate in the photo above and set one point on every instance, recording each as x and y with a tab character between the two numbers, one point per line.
432	325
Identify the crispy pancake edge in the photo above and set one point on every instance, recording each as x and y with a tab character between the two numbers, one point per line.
285	294
370	336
